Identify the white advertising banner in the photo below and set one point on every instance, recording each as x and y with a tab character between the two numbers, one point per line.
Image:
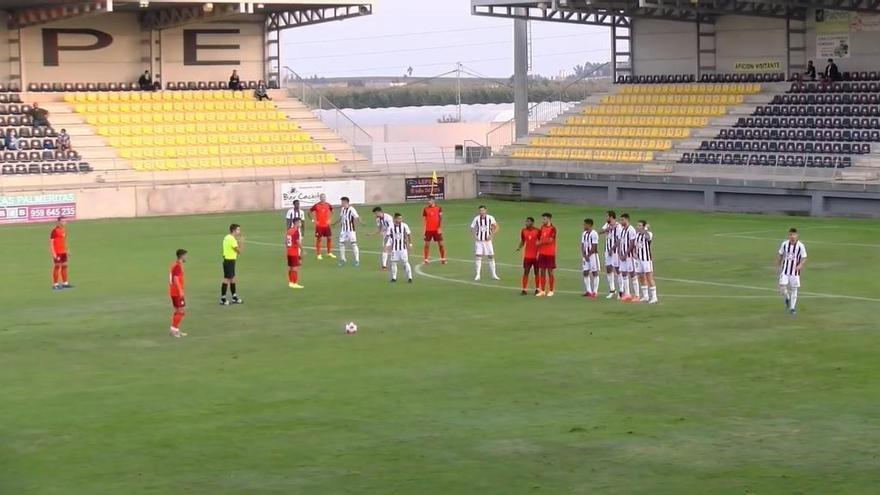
308	192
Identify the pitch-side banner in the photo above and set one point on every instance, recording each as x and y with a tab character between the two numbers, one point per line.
422	187
34	208
308	192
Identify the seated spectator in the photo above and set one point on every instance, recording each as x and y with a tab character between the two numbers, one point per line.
810	73
63	140
832	73
145	82
261	92
39	116
235	81
12	140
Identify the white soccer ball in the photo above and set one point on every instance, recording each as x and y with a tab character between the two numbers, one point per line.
351	328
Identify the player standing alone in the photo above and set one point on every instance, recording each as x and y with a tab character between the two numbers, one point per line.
528	238
433	215
400	240
546	256
590	259
293	240
58	250
176	291
644	262
383	225
792	257
321	213
483	228
232	244
348	219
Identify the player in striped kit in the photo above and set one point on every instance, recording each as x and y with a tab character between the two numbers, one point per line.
625	250
612	230
590	259
348	220
383	224
644	262
294	213
399	240
791	260
483	228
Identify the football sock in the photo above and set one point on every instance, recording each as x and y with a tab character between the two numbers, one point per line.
426	251
234	292
342	251
653	292
539	280
525	281
595	283
318	246
479	265
794	294
223	290
176	318
635	282
56	274
329	245
620	283
537	283
492	268
624	284
393	270
408	268
64	274
644	292
587	284
295	277
552	282
784	290
442	252
610	278
357	252
384	259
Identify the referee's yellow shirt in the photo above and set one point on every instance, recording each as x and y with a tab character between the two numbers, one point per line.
230	243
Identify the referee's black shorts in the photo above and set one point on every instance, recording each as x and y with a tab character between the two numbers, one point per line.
228	268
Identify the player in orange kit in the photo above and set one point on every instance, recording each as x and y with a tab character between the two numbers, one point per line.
546	256
321	213
58	250
294	254
176	291
433	215
528	238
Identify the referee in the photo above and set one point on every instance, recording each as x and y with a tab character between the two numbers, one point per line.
231	250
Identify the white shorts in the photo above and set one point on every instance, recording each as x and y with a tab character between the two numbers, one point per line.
644	266
611	260
625	266
348	237
400	255
793	281
484	248
590	264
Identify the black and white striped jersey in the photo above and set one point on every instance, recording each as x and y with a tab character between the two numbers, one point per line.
792	254
397	236
483	226
643	246
348	217
293	214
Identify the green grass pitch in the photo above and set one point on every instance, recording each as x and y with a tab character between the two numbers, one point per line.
449	387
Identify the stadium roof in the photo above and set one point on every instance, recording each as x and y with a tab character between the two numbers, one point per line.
607	12
159	14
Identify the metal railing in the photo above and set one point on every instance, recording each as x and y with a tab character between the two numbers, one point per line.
330	114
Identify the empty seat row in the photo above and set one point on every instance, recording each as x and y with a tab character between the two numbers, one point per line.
172	106
218	150
656	79
14	109
810	122
215	138
10	98
181	117
767	160
817	110
156	96
800	135
584	155
691	89
647	110
242	161
29	144
38	156
631	132
602	143
672	99
126	86
787	147
829	99
200	128
847	76
728	78
15	120
45	168
837	87
27	131
638	121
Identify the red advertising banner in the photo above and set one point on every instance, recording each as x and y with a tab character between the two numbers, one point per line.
36	208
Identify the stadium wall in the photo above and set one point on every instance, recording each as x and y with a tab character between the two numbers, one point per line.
664	47
186	199
5	62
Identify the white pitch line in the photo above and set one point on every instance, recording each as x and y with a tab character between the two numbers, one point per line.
668	279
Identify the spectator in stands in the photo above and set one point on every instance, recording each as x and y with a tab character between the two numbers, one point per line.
810	73
234	81
261	92
39	116
832	73
12	140
63	140
146	82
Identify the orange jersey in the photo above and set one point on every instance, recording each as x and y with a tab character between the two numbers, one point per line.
433	215
529	238
59	240
548	240
176	271
293	242
323	212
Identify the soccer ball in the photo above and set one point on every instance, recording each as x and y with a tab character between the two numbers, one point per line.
351	328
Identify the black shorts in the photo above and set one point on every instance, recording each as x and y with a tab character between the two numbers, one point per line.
228	268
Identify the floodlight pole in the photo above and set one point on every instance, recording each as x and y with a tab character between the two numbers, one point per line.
520	77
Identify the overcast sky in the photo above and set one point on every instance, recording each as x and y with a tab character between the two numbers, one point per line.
431	36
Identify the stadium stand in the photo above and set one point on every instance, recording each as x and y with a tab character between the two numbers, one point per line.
197	128
636	122
26	149
705	78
